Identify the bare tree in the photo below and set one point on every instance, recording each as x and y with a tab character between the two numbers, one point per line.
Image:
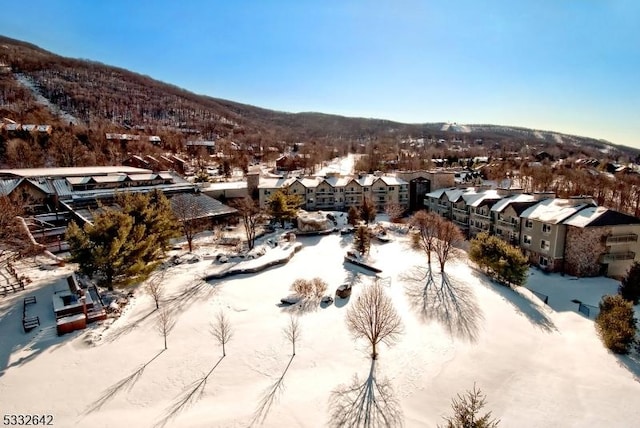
394	211
12	234
251	215
221	330
373	317
189	212
426	225
465	411
449	237
292	332
165	324
155	287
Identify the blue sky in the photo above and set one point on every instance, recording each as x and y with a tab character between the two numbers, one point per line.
567	66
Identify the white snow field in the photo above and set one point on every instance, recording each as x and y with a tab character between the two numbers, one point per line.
538	367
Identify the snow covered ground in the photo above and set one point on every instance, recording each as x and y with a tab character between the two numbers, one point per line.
342	166
539	365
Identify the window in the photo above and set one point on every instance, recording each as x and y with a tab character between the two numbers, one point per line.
546	228
544	244
498	231
526	239
544	261
366	189
391	188
528	224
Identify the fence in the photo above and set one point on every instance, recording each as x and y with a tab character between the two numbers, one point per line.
587	310
543	297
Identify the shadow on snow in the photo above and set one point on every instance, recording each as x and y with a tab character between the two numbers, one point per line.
451	303
368	403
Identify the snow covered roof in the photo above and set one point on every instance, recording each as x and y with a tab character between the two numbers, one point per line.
437	194
600	216
485	196
225	185
504	202
275	183
109	178
392	181
553	211
71	171
207	206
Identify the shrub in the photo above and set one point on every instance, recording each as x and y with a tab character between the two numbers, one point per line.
499	259
305	288
630	286
615	324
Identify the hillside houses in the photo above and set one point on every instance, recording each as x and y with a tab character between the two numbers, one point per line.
570	235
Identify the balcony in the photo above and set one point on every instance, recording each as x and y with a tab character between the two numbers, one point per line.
614	257
507	224
621	239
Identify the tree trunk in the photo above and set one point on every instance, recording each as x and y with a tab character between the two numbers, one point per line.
165	341
374	354
224	353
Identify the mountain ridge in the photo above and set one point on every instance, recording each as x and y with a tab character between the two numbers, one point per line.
127	99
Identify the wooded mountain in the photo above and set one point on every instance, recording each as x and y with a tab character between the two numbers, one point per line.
37	86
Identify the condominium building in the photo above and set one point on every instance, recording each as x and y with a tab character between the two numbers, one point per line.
568	235
335	192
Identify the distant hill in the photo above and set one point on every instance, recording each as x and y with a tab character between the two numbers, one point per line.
37	86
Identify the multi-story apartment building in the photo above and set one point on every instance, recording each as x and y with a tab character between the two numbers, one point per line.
601	241
505	216
569	235
543	231
467	208
480	212
338	192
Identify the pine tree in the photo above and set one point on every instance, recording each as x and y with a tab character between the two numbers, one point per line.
353	216
500	259
367	211
465	411
124	247
362	239
616	324
283	207
630	285
102	248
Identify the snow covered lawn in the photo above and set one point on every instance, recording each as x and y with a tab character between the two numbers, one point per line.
538	366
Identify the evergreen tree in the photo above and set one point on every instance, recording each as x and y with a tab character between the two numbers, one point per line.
124	247
103	248
465	411
367	210
353	216
283	206
362	239
501	260
630	285
616	324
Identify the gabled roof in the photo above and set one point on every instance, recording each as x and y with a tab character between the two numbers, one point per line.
514	199
392	181
600	216
437	194
7	186
488	197
553	211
